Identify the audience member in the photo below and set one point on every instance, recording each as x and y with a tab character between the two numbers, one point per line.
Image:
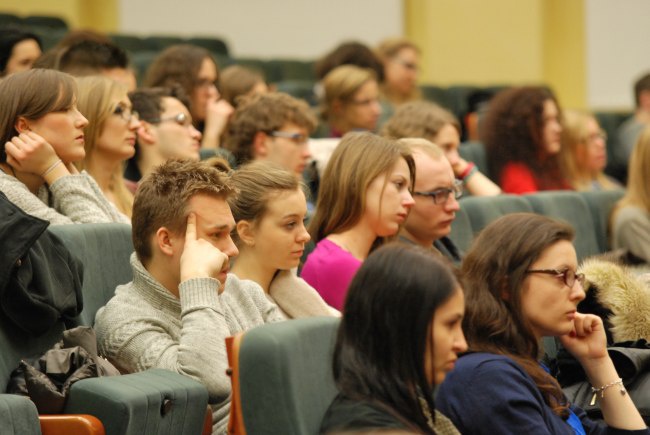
584	152
182	303
436	194
350	101
631	215
166	131
631	129
364	197
521	133
42	137
19	49
110	136
349	53
273	127
521	285
194	69
270	209
399	336
93	57
423	119
401	59
237	81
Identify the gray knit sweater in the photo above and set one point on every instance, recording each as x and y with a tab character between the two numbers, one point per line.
70	199
144	326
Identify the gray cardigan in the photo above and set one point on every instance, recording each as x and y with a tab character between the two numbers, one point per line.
71	199
144	326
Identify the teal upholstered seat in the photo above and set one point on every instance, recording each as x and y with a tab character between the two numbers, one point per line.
482	210
461	230
285	376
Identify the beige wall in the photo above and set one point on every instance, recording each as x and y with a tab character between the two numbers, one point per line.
96	14
501	42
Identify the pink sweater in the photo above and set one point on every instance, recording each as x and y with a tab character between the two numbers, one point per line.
330	269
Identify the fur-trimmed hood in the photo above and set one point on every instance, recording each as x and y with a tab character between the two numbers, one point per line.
624	296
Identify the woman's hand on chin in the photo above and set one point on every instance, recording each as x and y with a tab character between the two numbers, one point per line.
587	341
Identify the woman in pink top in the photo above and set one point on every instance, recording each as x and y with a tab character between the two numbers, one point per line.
364	198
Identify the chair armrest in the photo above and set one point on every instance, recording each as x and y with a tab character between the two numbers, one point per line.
77	424
18	415
153	401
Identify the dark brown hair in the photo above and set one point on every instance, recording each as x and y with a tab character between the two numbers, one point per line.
493	273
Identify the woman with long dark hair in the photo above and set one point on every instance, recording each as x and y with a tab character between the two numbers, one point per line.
399	336
521	285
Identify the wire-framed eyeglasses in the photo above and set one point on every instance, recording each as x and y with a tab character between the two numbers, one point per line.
569	276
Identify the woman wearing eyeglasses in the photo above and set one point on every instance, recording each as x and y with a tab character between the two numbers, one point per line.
194	69
584	152
350	101
364	198
42	136
521	285
110	136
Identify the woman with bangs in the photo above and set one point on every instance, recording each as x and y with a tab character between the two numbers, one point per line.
521	285
364	198
42	138
110	136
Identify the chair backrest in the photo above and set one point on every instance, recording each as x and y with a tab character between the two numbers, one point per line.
461	230
572	208
475	152
105	251
601	205
482	210
285	376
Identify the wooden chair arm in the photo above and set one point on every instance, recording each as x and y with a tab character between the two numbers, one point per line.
236	421
77	424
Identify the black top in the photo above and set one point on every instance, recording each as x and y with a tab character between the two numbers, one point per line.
345	414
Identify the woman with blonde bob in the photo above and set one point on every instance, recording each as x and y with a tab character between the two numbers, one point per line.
631	216
351	100
521	284
41	137
110	136
270	210
364	198
583	154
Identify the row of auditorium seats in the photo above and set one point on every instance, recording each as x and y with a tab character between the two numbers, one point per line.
153	401
587	212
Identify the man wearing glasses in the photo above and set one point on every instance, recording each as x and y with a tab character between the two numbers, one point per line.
436	194
273	127
166	131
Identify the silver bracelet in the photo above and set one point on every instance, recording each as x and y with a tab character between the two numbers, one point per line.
51	168
602	389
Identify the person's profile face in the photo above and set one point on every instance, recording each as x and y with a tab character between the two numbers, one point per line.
362	111
551	128
23	55
205	89
176	136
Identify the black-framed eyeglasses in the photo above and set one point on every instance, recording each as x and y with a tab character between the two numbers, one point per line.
180	118
126	113
296	137
441	196
569	276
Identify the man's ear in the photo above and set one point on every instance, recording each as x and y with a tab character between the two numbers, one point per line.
164	241
22	124
246	232
260	148
145	134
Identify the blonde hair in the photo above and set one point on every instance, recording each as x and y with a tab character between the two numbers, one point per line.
427	147
95	102
638	189
237	81
419	119
341	84
256	183
574	140
355	163
386	51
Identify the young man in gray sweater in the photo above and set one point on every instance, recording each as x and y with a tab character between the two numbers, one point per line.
182	303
